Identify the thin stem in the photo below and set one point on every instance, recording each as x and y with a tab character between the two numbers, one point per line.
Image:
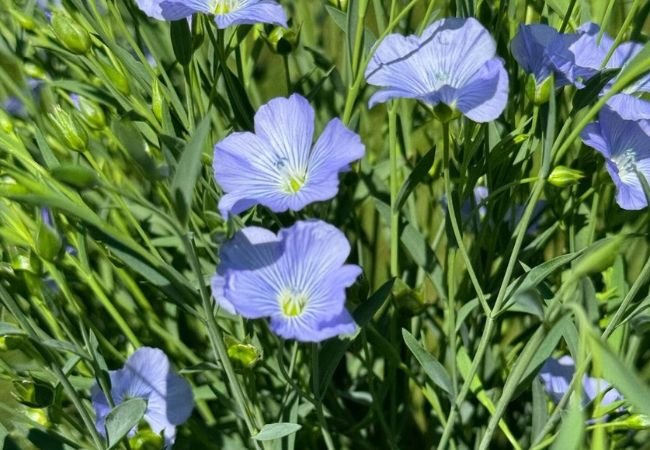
253	424
319	402
394	190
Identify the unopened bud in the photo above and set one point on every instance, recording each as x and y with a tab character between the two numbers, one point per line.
563	176
91	113
146	439
116	76
77	176
445	113
34	71
157	100
71	130
25	22
48	242
244	355
539	93
71	34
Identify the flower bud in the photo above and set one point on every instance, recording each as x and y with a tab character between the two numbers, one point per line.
539	93
77	176
6	125
72	132
91	113
34	71
157	100
71	34
48	242
33	393
635	422
563	176
116	76
25	22
283	40
244	355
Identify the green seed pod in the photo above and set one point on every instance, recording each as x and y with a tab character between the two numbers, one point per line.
48	242
283	40
33	393
79	177
563	176
71	34
72	132
145	439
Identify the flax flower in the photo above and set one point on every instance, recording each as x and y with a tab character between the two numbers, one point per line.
296	278
147	374
625	144
453	62
277	166
225	12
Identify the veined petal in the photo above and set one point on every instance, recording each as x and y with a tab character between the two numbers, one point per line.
630	107
592	136
252	12
180	9
336	148
151	8
484	97
310	330
529	47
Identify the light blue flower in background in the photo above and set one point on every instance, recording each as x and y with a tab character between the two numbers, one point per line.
147	374
277	166
225	12
454	62
625	144
297	278
556	375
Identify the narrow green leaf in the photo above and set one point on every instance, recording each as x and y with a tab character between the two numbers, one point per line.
8	328
278	430
434	370
419	173
123	418
188	168
571	431
181	38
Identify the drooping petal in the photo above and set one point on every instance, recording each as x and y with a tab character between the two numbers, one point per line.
529	47
181	9
592	136
484	98
151	8
253	11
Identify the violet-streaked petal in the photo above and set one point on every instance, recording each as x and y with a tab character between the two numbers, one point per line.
484	97
181	9
252	12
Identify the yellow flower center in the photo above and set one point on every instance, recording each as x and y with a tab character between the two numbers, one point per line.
225	6
292	303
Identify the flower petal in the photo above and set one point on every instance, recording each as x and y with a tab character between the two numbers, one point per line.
484	97
180	9
252	12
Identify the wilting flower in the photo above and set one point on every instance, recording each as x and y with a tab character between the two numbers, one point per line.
454	62
147	374
542	51
297	278
556	375
277	166
226	12
625	144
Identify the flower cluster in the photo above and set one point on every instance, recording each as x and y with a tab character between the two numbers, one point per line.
622	132
297	278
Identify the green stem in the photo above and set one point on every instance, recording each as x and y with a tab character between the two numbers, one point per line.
394	190
319	401
253	424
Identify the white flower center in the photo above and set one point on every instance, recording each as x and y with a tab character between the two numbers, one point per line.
292	178
626	165
225	6
292	303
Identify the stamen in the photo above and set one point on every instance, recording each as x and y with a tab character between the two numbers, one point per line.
292	303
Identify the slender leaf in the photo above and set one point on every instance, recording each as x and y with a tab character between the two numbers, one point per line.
278	430
123	418
434	370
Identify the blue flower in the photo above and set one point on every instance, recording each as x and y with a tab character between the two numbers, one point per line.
226	12
454	62
297	278
556	375
625	144
277	166
147	374
543	51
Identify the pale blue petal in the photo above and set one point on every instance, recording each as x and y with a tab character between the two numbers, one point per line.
252	12
556	375
217	285
630	107
181	9
484	97
592	136
530	49
151	8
